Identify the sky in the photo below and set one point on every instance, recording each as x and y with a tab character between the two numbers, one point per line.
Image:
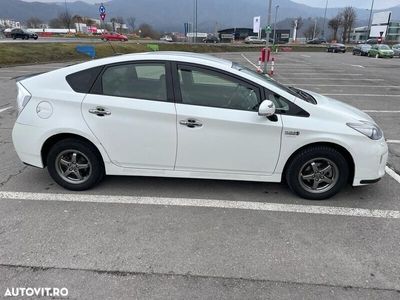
379	4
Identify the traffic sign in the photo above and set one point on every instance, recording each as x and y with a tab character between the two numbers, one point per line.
102	16
268	29
102	9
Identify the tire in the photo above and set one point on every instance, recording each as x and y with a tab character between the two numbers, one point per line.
306	177
87	163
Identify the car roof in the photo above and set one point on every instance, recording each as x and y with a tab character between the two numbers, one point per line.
188	57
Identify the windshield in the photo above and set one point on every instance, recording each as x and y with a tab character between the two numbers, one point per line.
288	89
384	47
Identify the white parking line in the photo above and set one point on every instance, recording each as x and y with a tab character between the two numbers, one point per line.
382	111
349	85
259	206
363	95
249	61
303	55
393	174
324	73
358	66
393	141
4	109
330	78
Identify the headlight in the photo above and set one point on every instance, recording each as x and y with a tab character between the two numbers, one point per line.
368	129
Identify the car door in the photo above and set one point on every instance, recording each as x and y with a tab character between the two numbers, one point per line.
219	129
131	112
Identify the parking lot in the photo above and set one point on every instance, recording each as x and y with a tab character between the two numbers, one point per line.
163	238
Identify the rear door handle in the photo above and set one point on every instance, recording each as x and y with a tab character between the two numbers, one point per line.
100	111
191	123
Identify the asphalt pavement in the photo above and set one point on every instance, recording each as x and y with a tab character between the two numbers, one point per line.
163	238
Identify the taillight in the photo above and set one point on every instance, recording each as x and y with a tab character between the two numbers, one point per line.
23	97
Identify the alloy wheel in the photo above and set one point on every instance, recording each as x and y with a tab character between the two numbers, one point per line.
318	175
73	166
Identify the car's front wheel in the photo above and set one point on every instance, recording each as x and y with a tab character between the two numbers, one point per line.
317	173
75	164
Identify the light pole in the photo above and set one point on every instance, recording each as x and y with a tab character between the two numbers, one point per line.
67	19
323	26
267	33
276	16
195	21
370	19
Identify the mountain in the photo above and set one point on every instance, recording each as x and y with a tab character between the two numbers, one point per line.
169	15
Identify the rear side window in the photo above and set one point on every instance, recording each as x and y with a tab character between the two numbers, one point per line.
136	80
82	82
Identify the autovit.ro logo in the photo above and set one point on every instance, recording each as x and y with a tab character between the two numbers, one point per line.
36	292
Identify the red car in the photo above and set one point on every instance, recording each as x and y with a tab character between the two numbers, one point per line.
114	36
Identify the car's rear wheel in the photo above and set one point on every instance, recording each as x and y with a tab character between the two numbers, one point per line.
75	165
317	173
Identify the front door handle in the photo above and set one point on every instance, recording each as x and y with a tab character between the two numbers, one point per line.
100	111
191	123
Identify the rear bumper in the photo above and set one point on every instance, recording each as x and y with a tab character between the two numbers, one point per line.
27	143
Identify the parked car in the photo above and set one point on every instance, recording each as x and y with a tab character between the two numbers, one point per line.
166	38
380	50
18	33
177	114
114	36
336	48
361	49
211	39
372	41
396	49
254	40
317	41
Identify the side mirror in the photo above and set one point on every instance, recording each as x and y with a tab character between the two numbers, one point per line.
267	108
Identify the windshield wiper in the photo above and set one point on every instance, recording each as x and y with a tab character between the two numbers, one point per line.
303	95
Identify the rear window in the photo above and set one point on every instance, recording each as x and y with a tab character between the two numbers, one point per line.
82	82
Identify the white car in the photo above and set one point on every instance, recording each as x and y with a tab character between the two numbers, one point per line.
188	115
254	40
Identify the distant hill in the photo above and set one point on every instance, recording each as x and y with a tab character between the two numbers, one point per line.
169	15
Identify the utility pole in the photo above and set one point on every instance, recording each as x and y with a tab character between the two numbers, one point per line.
267	33
323	26
370	19
276	17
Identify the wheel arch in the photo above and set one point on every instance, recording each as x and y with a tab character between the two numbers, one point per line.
346	154
52	140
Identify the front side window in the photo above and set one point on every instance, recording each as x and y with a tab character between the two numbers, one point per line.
136	80
208	88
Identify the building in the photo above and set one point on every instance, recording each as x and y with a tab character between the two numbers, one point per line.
237	34
393	32
359	34
9	23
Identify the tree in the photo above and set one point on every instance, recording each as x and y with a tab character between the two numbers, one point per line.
113	22
131	21
34	22
300	23
66	19
148	31
335	24
349	18
55	23
312	31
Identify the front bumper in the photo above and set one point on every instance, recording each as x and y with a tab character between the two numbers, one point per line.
370	163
